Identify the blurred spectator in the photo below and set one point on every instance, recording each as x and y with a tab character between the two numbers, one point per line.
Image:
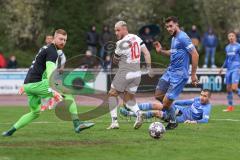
147	38
48	39
12	62
105	37
92	40
195	36
107	63
182	28
3	62
210	43
89	61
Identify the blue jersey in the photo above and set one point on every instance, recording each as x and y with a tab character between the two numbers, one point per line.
194	110
232	61
181	46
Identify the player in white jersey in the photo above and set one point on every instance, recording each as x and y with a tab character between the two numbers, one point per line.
127	79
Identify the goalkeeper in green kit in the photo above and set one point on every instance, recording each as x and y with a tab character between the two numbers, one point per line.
36	85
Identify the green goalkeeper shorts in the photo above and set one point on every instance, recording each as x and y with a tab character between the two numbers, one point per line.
36	91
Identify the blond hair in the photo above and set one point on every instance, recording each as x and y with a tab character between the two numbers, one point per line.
121	23
60	31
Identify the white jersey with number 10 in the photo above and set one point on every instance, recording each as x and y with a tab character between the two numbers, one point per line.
129	50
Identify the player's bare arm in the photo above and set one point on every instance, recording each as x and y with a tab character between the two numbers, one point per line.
195	58
147	57
159	49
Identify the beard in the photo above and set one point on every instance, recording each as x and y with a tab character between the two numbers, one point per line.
60	46
174	33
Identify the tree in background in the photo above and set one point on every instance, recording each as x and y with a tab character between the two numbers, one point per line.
24	23
23	20
75	16
222	15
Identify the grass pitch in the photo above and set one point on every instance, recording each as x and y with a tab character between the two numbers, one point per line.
49	138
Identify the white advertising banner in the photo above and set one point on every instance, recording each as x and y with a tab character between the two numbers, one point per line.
10	82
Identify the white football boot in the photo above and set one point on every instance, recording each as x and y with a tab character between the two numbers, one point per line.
114	125
139	120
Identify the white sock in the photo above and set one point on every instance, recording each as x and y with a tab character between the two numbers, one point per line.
113	113
113	104
133	108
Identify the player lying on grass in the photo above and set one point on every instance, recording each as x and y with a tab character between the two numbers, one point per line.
36	83
196	110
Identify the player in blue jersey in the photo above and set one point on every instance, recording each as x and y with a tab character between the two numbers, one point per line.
232	64
196	110
171	84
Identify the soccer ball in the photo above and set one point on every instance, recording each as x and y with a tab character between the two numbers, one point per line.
156	130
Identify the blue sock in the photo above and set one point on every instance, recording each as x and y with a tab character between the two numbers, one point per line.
230	98
145	106
171	114
149	114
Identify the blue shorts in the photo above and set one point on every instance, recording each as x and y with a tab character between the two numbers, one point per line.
232	77
171	85
186	113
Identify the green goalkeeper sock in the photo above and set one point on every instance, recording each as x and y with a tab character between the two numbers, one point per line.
73	105
73	111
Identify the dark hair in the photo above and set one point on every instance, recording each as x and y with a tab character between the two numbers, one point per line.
232	33
171	18
208	91
93	25
48	35
105	26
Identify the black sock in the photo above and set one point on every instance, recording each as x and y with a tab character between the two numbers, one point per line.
11	131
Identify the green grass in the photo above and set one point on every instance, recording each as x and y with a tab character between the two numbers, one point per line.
217	140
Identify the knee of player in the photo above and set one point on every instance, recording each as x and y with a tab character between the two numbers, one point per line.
128	97
159	98
36	114
157	106
158	114
235	89
130	102
112	93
